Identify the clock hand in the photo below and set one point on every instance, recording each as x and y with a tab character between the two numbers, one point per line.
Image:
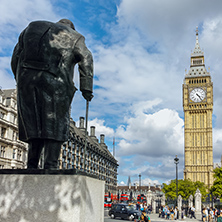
198	95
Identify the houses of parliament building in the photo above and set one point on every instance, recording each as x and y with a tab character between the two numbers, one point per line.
13	153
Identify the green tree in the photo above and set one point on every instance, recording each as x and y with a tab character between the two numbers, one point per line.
170	189
216	189
185	189
202	187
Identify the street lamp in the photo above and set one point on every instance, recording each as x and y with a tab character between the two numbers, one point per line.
140	185
176	161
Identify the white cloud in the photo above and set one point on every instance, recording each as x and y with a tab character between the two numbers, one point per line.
100	128
217	141
156	134
149	142
16	16
152	168
122	183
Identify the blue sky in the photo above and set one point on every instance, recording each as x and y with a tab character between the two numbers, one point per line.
141	50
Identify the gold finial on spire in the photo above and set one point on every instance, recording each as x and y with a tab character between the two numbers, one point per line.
197	30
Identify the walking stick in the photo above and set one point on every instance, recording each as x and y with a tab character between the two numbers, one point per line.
84	155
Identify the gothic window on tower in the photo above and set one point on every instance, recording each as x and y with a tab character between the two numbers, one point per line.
200	140
196	140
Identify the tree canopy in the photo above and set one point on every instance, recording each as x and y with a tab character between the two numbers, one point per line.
216	189
185	189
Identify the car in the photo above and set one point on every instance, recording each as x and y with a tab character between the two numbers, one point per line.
124	211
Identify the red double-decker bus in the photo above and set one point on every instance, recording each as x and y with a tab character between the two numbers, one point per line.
141	198
124	198
109	198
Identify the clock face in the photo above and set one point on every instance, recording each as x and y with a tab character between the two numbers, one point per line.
197	95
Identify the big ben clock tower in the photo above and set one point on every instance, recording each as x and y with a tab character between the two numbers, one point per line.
198	109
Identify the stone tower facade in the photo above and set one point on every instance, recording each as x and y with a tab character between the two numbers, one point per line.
198	109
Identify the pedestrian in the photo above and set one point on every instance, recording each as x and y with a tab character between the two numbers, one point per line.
144	217
175	213
217	213
137	206
219	219
211	215
163	212
206	212
193	212
172	213
189	212
182	213
168	213
204	215
160	212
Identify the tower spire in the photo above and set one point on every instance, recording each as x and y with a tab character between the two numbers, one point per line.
197	50
129	182
197	66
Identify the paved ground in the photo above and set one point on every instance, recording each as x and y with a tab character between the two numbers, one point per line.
153	217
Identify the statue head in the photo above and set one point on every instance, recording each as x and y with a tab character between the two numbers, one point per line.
67	22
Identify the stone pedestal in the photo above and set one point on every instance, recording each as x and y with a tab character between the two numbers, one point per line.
50	196
179	205
154	205
149	197
198	203
163	200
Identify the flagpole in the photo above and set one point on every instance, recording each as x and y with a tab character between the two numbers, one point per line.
114	146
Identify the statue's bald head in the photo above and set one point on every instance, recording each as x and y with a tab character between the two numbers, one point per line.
67	22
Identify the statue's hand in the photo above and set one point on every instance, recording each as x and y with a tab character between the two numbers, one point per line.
87	95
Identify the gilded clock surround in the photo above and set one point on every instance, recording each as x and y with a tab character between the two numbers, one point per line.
198	148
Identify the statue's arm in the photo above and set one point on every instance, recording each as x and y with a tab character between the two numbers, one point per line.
85	68
16	53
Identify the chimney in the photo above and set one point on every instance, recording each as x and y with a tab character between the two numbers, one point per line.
92	131
102	137
81	122
72	121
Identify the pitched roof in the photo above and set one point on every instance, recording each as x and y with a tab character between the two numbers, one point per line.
92	141
9	93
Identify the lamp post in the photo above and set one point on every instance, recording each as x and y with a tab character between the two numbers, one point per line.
140	185
176	161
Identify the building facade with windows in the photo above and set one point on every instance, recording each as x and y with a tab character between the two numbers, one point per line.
98	159
13	153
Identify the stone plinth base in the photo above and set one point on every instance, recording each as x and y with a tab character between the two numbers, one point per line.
50	196
198	215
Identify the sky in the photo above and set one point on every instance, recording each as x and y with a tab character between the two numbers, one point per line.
141	51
